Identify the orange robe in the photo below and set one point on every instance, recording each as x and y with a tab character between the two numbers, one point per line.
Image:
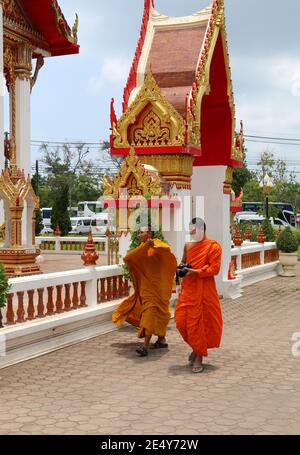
198	314
152	271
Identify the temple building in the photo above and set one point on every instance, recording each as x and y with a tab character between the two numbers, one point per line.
179	117
30	30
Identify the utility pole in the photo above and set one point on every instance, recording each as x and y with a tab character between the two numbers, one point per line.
37	176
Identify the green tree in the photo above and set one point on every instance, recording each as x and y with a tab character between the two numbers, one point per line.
252	192
38	217
268	230
60	215
241	175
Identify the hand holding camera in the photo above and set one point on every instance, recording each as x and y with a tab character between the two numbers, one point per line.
183	270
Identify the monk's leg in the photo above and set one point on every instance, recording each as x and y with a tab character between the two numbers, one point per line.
147	340
198	361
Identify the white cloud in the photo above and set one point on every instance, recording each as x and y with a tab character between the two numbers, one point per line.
114	72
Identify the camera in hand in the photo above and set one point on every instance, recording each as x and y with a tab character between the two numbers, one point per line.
181	272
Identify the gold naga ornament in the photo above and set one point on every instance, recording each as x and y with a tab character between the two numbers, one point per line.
150	120
133	177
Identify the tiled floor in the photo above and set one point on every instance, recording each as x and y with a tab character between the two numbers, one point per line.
250	386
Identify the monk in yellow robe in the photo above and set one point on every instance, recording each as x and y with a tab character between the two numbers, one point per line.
198	314
152	268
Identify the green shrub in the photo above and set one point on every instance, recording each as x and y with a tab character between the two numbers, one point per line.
269	231
287	241
4	287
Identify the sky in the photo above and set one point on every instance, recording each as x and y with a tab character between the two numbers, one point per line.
71	98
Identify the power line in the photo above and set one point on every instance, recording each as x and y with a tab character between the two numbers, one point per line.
272	138
67	142
272	142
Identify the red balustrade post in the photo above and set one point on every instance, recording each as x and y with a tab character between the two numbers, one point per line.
59	303
20	311
30	312
83	294
50	304
10	317
67	297
75	300
41	307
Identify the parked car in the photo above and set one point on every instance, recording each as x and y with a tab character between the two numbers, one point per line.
46	230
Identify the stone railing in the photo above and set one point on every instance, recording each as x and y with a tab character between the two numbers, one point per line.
39	296
69	245
250	255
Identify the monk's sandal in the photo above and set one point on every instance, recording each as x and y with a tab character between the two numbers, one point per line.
142	351
198	369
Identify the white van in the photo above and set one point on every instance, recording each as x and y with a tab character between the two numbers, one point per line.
82	225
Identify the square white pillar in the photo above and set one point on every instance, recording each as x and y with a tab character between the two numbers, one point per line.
23	124
207	185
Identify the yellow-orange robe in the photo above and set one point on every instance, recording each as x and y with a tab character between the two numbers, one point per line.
198	314
152	271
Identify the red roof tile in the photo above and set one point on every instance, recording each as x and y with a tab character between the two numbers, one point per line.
174	56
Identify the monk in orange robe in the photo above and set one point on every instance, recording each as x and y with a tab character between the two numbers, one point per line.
152	268
198	314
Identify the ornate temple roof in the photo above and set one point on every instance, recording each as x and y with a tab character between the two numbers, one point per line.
172	47
179	96
43	24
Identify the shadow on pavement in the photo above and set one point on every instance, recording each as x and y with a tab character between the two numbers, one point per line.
177	370
127	350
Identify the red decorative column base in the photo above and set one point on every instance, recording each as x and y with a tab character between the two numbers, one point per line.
20	262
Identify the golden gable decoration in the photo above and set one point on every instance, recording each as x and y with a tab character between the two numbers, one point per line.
133	177
150	120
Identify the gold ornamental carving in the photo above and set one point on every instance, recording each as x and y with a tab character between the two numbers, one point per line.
151	133
176	169
150	120
228	181
134	177
12	10
71	34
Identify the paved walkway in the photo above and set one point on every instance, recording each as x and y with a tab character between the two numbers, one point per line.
63	262
250	386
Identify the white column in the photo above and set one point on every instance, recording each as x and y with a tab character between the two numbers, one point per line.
176	224
208	181
124	243
23	125
2	91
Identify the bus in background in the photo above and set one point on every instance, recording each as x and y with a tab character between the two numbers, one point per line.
285	210
89	208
